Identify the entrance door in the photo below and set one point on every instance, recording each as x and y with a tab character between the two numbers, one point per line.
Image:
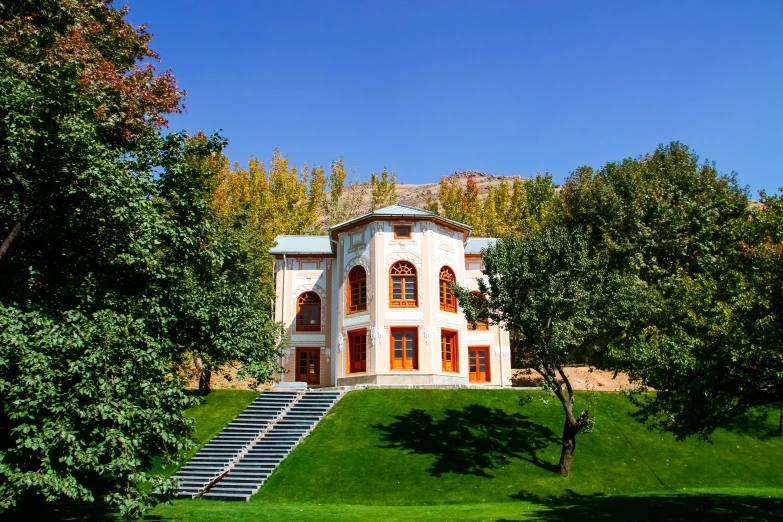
307	367
478	358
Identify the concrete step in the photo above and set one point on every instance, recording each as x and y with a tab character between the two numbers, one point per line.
224	446
252	471
255	478
264	453
215	469
252	468
238	497
195	476
239	489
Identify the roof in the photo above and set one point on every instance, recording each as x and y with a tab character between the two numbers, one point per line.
476	244
398	210
302	245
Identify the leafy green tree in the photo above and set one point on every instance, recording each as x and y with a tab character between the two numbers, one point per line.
112	267
720	355
706	333
657	216
548	288
73	70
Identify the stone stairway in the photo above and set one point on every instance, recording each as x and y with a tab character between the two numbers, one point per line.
253	467
219	454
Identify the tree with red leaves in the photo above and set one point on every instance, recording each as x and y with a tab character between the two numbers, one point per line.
71	71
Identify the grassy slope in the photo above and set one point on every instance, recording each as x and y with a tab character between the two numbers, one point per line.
375	453
371	450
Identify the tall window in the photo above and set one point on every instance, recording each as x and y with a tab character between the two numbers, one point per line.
448	301
308	312
357	290
403	285
481	323
357	349
404	349
448	350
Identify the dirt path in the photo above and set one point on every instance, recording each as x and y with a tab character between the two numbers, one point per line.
581	378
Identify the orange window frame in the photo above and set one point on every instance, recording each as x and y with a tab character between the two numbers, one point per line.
449	351
357	290
408	228
448	301
311	302
408	349
405	280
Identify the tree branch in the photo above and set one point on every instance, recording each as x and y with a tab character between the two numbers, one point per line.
566	381
23	213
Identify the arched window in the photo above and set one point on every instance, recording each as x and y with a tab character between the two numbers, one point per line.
357	290
448	301
308	312
481	324
403	285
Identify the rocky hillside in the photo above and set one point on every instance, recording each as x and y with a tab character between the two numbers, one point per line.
416	195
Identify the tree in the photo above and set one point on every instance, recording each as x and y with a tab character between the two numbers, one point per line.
343	202
659	215
548	288
520	209
113	268
706	333
719	356
74	70
383	190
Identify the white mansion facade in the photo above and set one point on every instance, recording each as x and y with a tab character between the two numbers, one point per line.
371	304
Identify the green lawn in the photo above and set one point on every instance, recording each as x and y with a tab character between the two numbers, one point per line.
479	455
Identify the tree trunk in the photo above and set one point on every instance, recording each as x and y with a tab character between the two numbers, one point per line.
572	425
569	445
23	212
203	380
780	423
10	239
204	375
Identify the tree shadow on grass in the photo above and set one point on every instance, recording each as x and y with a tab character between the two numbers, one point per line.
760	423
669	508
469	441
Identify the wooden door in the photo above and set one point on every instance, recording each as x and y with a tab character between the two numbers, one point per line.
448	351
478	358
357	347
307	365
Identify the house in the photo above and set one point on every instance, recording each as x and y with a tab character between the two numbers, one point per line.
370	303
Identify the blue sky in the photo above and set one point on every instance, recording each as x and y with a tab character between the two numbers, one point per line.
428	88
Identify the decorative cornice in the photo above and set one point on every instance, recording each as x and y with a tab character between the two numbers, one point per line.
308	338
403	256
353	320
